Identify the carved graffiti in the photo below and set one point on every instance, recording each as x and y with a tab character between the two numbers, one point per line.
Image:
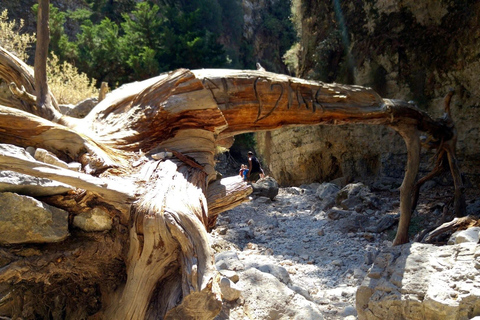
260	103
220	95
303	97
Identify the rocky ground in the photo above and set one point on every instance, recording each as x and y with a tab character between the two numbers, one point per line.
303	254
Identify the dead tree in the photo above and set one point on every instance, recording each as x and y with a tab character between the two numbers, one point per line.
147	152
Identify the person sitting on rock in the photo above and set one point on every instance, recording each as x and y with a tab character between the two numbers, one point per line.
254	169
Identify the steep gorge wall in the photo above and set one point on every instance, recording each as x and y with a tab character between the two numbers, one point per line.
410	50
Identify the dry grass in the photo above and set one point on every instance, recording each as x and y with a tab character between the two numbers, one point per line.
66	83
11	38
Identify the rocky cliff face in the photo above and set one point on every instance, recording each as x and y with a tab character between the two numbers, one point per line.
404	49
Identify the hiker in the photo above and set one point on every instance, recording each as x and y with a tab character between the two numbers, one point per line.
254	169
243	172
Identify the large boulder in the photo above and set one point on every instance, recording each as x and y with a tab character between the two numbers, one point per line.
24	219
266	187
278	301
422	281
356	196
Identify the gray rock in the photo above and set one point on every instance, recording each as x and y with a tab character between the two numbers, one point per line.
337	263
96	219
336	213
11	181
30	150
230	291
278	271
385	222
421	281
324	204
349	311
81	109
27	220
356	195
295	190
327	190
18	152
267	187
228	260
271	299
355	222
301	291
262	200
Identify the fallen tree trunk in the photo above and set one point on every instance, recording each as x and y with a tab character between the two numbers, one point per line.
159	137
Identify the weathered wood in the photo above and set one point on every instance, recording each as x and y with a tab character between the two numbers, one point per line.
103	91
225	194
450	227
446	154
412	140
162	134
116	192
43	101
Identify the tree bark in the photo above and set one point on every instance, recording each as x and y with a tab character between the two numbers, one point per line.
43	102
157	138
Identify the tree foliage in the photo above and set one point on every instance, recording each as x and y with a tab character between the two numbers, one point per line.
124	42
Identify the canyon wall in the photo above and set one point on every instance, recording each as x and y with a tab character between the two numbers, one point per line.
409	50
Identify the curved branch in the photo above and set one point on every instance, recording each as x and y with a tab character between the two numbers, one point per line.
22	94
14	70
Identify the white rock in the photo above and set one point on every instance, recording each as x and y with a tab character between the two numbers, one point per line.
232	275
469	235
75	166
230	291
162	155
96	219
49	158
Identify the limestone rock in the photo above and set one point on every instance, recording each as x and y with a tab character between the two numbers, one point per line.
230	291
11	181
24	219
278	272
96	219
278	301
81	109
469	235
232	275
385	222
48	157
228	260
356	195
267	187
326	190
422	281
336	213
15	150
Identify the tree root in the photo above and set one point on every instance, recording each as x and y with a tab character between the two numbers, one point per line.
449	228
